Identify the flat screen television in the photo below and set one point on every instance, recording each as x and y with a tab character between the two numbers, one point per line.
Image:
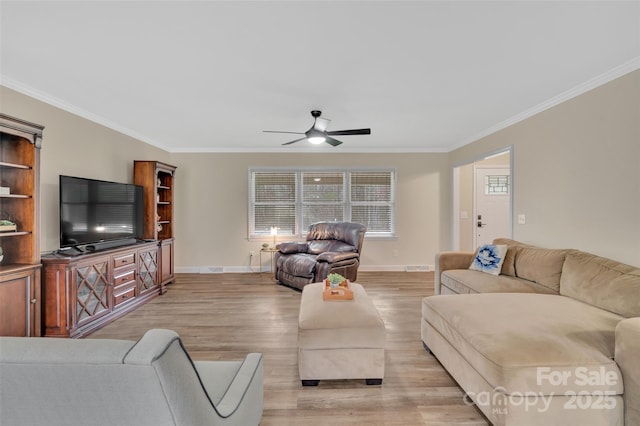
94	211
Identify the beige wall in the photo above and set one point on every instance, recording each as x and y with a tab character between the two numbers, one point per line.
212	201
576	177
466	205
74	146
577	171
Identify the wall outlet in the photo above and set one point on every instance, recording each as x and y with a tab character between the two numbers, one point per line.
522	219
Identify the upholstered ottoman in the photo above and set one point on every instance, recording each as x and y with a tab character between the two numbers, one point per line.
339	339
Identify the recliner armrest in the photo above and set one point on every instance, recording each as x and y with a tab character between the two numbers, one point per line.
292	247
336	256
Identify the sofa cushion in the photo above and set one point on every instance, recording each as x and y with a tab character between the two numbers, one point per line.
349	232
516	341
602	282
489	258
464	281
542	266
509	265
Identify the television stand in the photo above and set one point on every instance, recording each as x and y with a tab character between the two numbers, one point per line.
87	291
105	245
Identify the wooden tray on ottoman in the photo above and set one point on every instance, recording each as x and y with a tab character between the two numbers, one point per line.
342	292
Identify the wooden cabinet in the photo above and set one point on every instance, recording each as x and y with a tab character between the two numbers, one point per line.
20	302
166	261
91	286
157	179
148	278
83	293
20	203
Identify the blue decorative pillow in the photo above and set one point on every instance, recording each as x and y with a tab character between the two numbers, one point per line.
489	258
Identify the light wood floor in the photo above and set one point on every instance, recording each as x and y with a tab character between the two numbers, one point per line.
225	316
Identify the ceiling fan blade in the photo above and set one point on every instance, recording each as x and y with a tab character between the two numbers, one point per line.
278	131
321	123
331	141
297	140
350	132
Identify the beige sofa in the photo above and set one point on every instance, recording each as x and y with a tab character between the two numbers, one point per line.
47	381
553	339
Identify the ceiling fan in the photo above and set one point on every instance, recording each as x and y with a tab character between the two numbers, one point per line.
318	134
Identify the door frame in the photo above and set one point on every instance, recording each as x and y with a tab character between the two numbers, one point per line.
477	167
455	191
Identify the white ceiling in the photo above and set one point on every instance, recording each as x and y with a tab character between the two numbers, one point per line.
209	76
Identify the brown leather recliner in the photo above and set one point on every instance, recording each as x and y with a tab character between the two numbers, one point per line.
330	248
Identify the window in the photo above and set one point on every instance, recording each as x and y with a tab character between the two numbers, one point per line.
496	185
293	199
322	197
372	200
274	203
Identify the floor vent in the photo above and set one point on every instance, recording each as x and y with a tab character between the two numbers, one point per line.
417	268
212	270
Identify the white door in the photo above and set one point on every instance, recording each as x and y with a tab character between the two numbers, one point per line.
492	218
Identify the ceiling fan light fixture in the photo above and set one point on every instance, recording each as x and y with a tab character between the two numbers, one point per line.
315	136
318	133
316	140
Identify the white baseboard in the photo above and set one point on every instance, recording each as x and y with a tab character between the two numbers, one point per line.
246	269
396	268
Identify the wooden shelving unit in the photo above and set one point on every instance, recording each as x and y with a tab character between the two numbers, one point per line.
157	179
20	268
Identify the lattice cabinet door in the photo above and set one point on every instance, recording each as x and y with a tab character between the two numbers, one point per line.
148	278
93	292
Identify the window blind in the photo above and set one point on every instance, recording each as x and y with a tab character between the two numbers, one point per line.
274	203
322	197
372	200
294	199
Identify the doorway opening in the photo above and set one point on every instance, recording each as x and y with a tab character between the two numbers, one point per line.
482	200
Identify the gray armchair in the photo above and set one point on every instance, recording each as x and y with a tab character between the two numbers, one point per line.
330	247
105	382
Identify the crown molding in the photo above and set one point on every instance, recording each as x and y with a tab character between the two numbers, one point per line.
73	109
310	150
578	90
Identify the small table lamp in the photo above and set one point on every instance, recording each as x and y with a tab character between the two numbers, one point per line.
274	232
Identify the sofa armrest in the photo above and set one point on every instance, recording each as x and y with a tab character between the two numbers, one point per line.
197	391
292	247
450	260
626	356
150	347
246	388
336	256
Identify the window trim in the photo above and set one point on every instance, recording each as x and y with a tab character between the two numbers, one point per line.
301	233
